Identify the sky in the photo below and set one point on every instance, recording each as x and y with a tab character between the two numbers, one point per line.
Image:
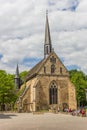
22	32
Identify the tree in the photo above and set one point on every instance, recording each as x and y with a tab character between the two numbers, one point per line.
79	79
23	75
7	90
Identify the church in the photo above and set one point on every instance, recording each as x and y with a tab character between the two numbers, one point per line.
47	84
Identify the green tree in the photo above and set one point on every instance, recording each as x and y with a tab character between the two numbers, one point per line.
23	75
7	90
79	79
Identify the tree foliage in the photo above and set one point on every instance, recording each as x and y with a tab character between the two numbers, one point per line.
79	79
8	92
23	74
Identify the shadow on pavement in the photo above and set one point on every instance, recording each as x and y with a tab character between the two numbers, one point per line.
6	116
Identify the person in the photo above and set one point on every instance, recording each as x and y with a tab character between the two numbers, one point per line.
83	112
69	110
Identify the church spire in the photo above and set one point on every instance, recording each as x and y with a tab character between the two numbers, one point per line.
17	78
47	44
17	72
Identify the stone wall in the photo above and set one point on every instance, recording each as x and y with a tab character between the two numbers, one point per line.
38	93
72	96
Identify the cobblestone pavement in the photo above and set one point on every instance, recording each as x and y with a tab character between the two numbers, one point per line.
47	121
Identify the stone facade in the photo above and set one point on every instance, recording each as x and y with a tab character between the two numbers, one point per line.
36	95
47	84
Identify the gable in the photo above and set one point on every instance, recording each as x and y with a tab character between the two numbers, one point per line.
53	66
44	67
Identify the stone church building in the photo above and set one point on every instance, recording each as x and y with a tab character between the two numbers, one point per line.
47	84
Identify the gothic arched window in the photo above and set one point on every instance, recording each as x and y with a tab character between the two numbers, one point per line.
53	93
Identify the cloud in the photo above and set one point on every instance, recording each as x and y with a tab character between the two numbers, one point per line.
22	27
64	5
82	6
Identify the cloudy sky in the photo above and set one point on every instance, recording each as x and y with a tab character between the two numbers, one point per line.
22	27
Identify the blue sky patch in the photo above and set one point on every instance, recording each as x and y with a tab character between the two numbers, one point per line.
71	5
31	61
62	59
73	67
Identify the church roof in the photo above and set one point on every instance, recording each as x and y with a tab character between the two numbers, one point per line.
33	72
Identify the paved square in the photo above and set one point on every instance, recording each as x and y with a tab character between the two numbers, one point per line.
47	121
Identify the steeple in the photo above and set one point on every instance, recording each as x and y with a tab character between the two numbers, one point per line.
17	72
17	78
47	44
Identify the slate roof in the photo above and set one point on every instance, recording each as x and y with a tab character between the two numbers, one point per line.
34	71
